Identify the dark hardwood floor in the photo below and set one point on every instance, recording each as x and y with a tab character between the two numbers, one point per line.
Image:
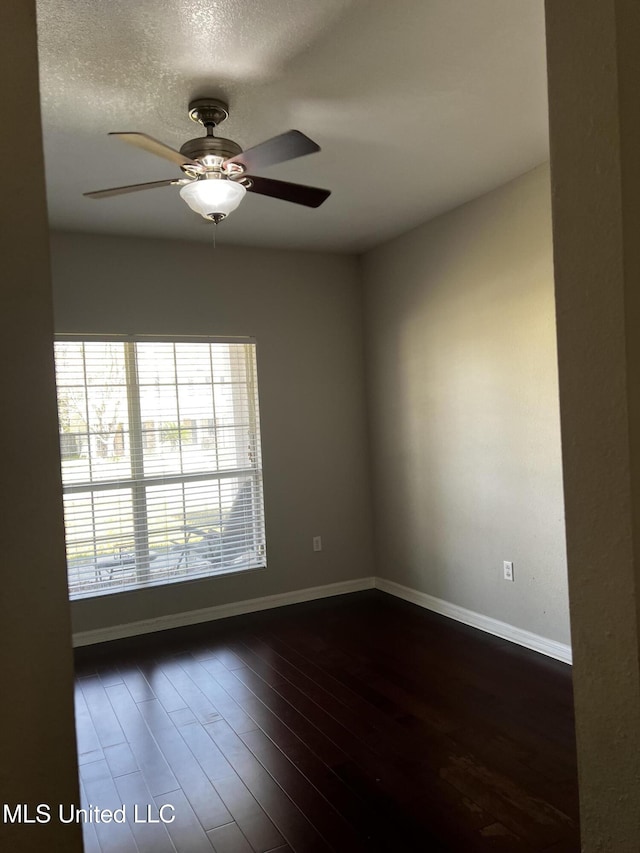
348	724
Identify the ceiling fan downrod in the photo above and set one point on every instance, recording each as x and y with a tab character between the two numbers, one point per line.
210	112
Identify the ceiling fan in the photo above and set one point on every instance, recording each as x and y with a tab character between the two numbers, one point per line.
216	169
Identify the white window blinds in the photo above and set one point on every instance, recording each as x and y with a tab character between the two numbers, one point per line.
161	463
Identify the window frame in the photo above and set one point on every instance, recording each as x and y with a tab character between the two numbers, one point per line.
138	483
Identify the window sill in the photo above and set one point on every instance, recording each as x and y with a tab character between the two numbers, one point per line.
129	588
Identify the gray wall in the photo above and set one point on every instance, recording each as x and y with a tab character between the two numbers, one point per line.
305	310
463	409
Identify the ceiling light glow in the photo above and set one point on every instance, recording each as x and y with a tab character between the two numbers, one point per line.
213	199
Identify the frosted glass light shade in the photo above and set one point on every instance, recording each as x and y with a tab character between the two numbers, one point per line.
210	197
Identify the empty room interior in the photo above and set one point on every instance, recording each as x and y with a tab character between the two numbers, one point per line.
320	472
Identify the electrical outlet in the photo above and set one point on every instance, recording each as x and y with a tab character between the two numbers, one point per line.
508	570
317	543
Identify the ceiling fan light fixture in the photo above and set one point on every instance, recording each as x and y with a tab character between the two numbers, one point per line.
213	199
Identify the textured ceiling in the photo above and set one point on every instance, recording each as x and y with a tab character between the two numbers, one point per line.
419	105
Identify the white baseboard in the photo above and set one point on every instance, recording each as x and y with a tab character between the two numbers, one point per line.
220	611
551	648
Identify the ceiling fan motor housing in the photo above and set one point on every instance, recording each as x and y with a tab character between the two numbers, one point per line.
214	146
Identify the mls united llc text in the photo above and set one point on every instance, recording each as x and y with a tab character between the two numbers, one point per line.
70	813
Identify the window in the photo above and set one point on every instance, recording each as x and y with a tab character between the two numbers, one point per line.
161	464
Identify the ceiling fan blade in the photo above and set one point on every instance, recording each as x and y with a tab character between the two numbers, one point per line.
297	193
287	146
131	188
153	146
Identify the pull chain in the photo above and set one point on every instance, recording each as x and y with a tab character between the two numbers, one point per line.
215	228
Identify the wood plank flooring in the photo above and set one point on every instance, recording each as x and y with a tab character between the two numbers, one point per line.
348	724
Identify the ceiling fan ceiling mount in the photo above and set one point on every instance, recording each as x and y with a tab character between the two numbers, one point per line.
209	112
